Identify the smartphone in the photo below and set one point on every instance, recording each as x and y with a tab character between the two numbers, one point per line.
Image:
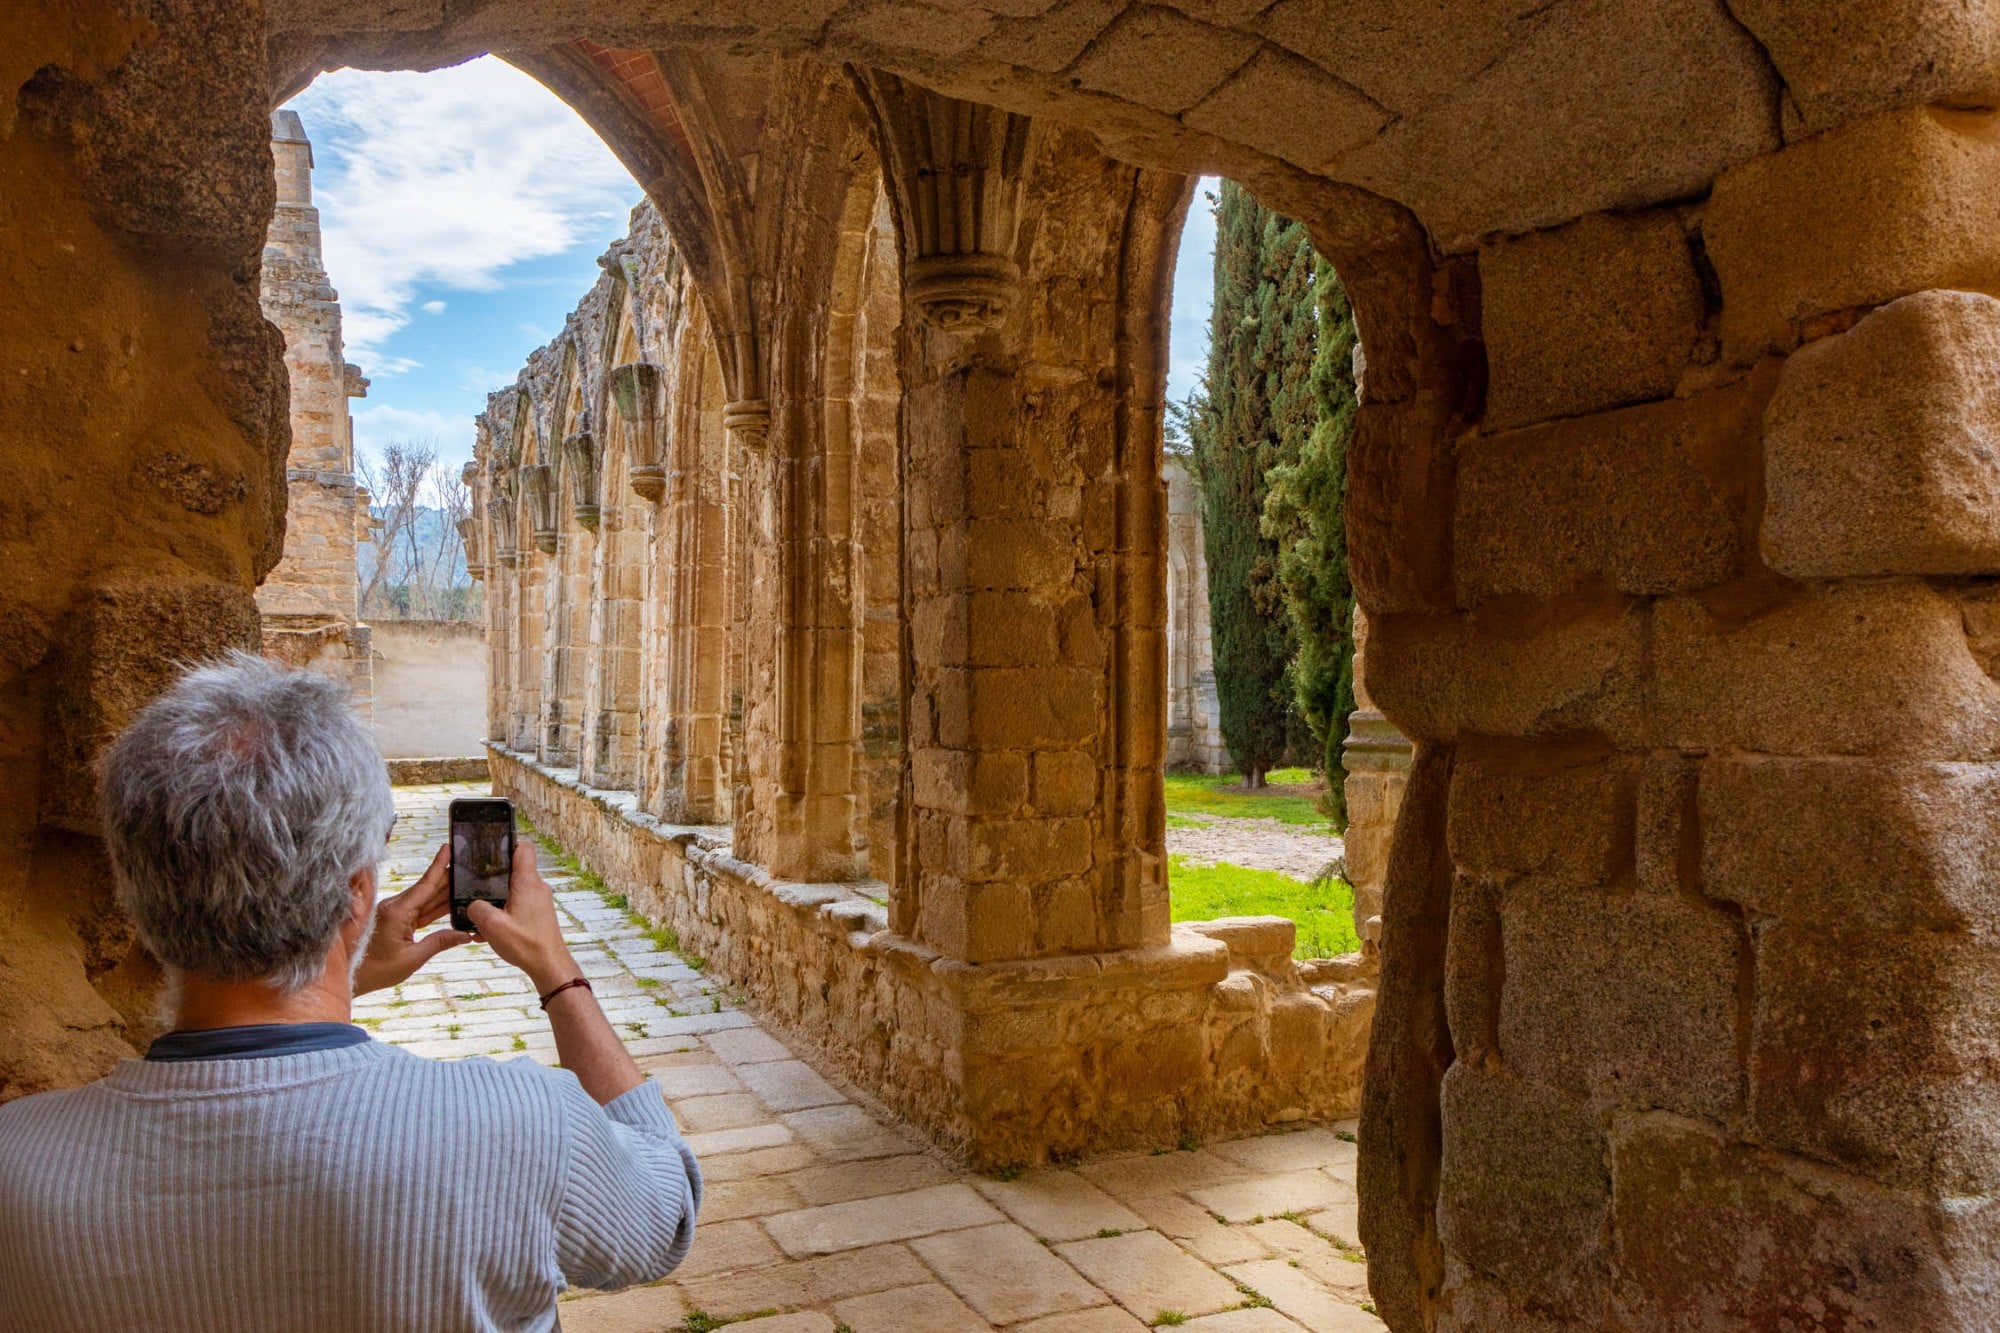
482	854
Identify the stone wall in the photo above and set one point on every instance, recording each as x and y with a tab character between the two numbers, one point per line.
430	688
143	405
1215	1032
308	601
1667	505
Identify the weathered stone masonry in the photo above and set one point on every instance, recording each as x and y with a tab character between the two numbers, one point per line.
1667	510
1009	1061
308	602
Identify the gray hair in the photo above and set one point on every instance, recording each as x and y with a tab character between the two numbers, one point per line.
237	807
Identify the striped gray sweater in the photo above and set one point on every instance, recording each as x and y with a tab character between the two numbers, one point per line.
354	1189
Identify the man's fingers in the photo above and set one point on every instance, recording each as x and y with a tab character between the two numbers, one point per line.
524	870
437	872
438	941
428	904
417	901
483	914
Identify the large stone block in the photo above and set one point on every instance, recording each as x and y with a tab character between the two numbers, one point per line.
1474	970
1399	506
127	642
1623	103
1845	58
1864	843
1523	1190
1628	998
1367	42
1667	842
1862	668
1566	669
1560	813
1877	1051
1650	499
1860	215
1289	108
1880	452
1606	310
1715	1235
1162	59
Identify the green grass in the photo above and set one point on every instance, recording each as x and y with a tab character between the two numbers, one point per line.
1207	794
1324	911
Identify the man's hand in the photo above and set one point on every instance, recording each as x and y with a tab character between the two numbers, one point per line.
526	933
394	951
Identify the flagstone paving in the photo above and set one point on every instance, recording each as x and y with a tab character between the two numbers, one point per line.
820	1218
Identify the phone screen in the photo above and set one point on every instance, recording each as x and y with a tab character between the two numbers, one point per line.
482	854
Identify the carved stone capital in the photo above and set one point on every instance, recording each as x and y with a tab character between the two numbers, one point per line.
636	393
500	511
963	293
581	450
538	483
650	481
748	421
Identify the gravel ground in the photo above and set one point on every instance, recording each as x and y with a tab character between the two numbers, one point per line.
1260	844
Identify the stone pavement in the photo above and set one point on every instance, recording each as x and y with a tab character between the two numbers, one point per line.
820	1217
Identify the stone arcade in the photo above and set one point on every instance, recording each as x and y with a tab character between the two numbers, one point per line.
1671	508
627	565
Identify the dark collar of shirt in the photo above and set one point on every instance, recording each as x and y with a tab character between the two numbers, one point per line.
255	1042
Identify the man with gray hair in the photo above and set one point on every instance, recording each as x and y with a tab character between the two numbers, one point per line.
268	1164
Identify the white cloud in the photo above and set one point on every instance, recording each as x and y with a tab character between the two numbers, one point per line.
451	436
446	178
433	307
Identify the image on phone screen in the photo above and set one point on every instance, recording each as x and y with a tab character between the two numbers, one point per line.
482	854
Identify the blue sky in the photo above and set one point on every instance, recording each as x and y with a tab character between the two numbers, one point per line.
463	213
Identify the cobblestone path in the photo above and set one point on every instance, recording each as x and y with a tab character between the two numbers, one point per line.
1259	844
820	1217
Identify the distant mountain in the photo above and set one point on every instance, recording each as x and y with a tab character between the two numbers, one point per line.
429	582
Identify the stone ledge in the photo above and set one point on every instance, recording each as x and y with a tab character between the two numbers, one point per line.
999	1063
425	772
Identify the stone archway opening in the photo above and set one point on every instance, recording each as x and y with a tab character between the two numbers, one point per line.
1609	260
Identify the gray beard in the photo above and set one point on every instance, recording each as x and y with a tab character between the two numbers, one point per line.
360	950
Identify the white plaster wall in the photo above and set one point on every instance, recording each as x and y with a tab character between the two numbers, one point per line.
430	688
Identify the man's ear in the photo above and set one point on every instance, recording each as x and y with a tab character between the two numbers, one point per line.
361	893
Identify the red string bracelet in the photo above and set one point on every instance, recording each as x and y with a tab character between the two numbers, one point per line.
567	985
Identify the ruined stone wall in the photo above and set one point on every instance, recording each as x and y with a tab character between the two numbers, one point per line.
309	601
602	479
1194	712
430	688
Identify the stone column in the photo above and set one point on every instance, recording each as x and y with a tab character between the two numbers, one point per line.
1376	760
1034	513
1705	721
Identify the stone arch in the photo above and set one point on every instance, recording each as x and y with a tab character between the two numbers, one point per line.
613	718
569	570
1457	180
863	392
525	495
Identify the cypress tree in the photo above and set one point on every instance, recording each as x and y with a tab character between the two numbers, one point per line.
1252	414
1304	513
